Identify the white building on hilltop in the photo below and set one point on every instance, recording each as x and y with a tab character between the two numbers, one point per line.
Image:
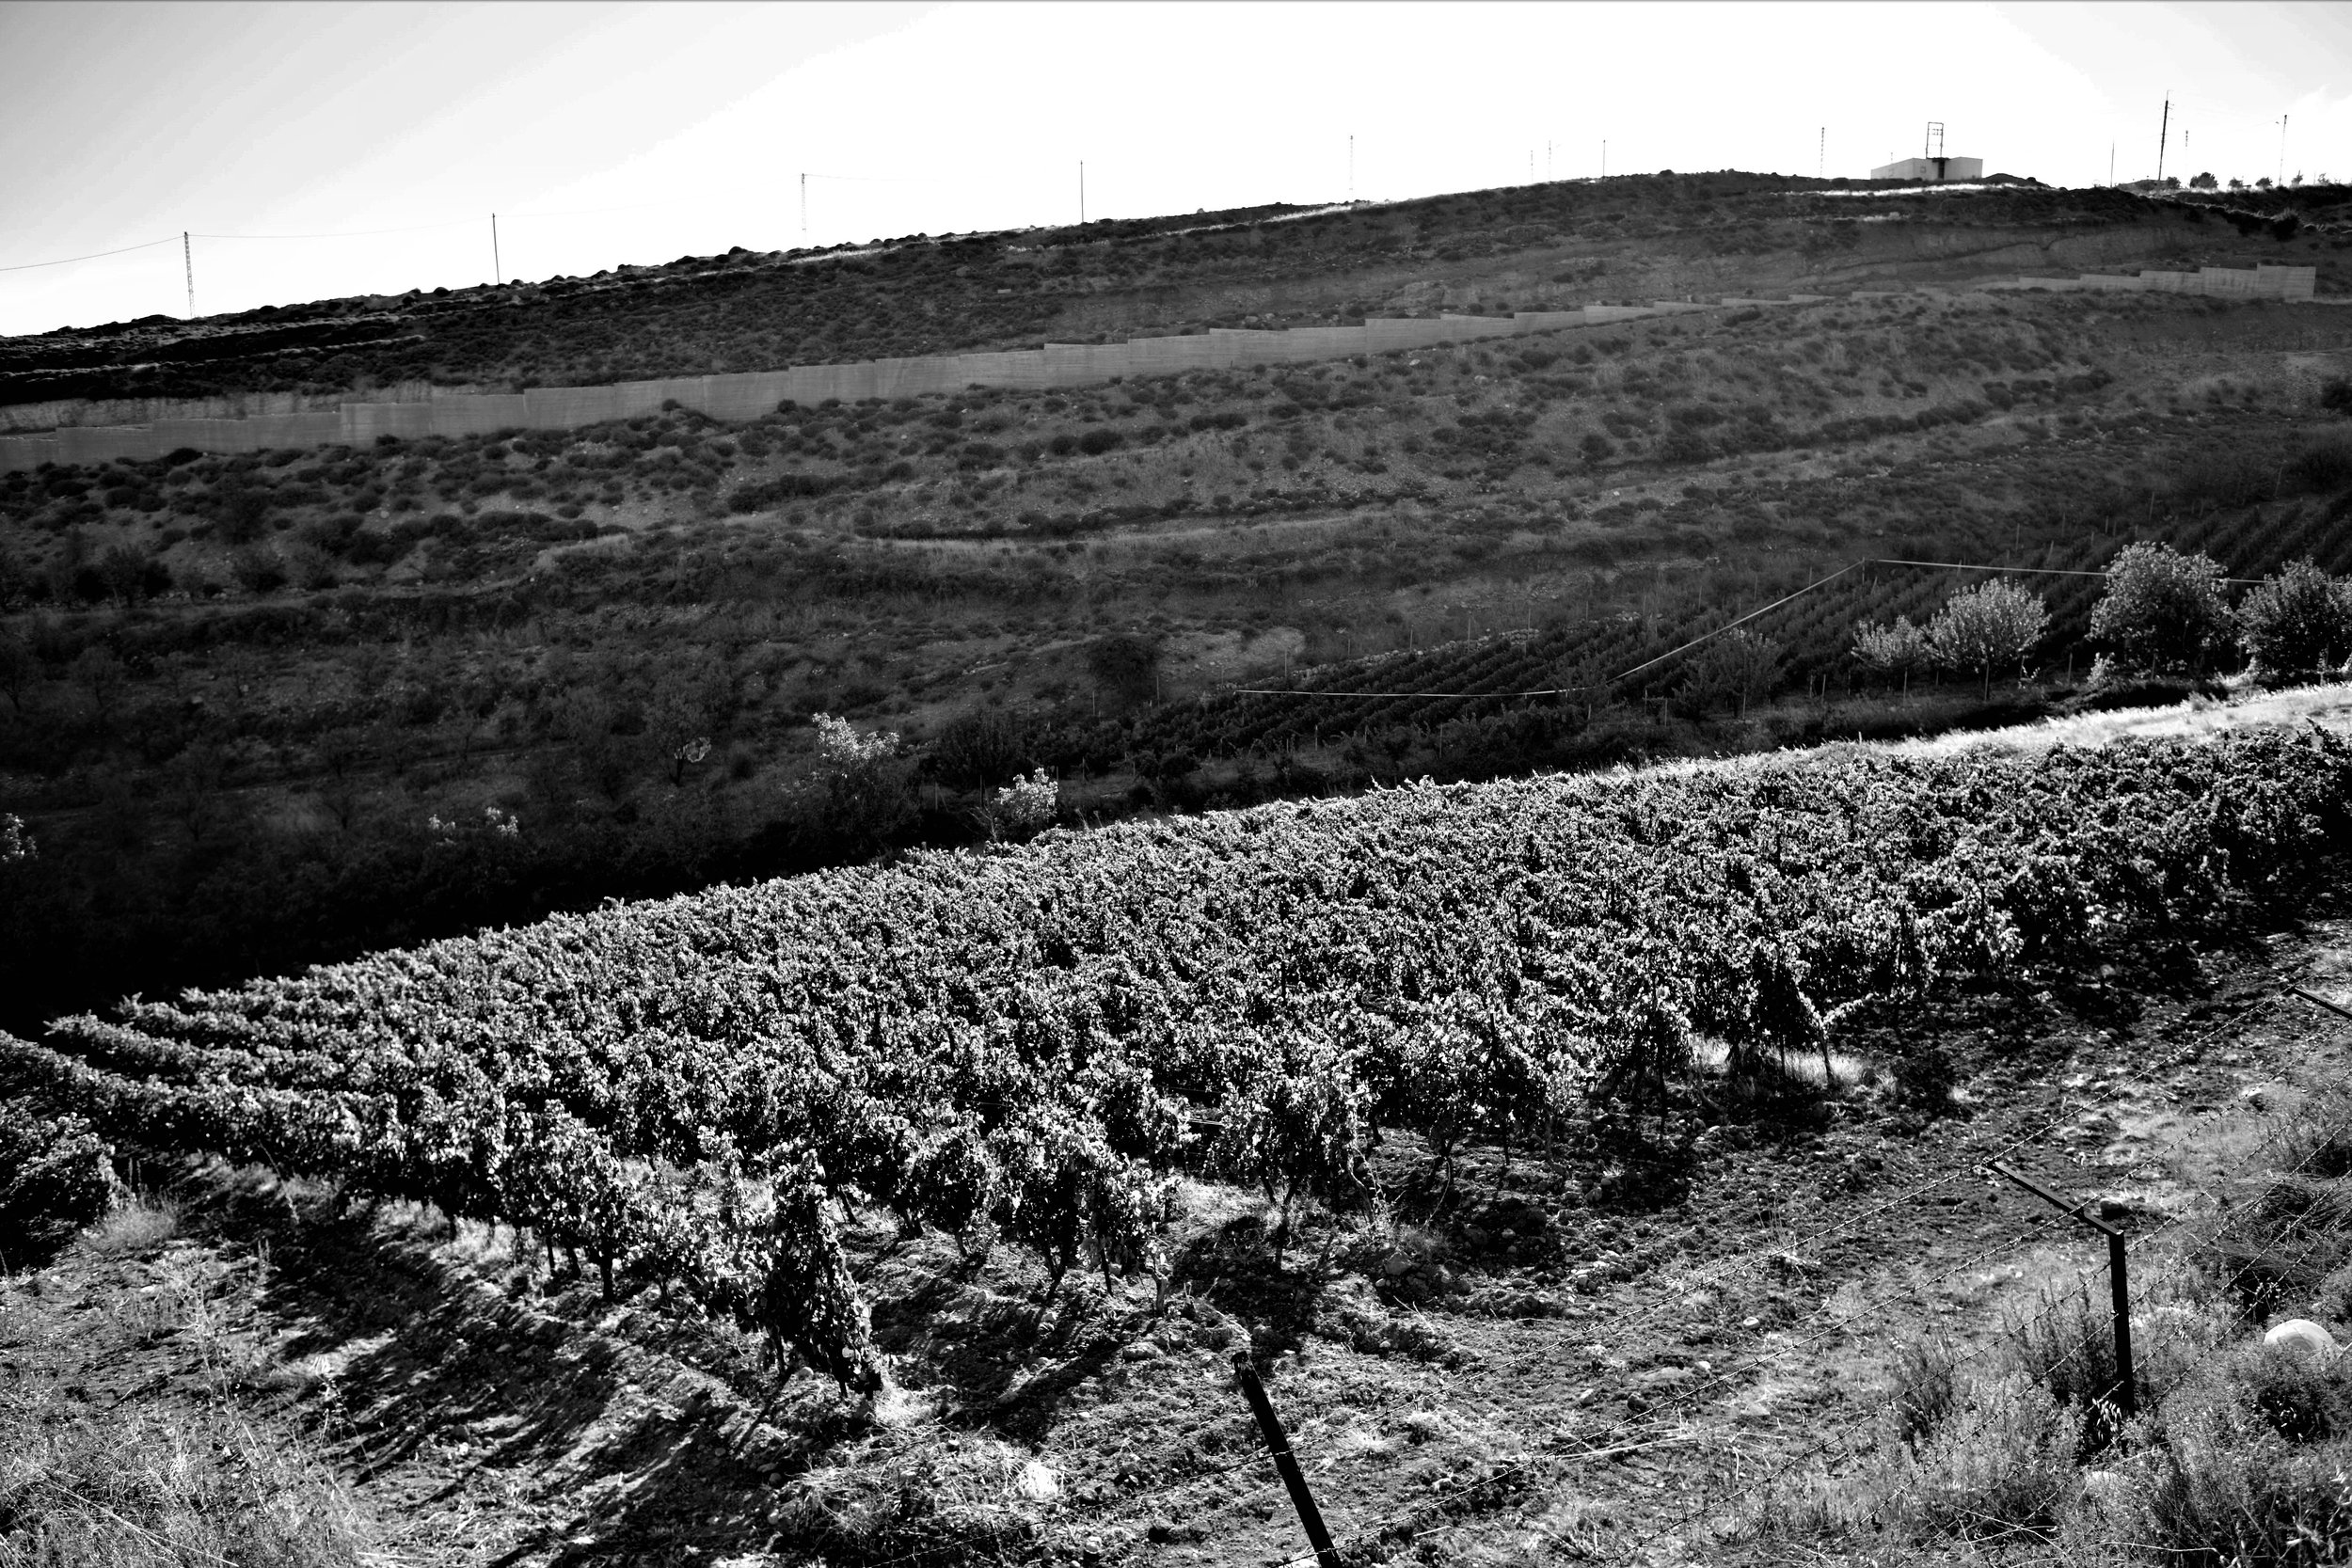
1932	171
1931	167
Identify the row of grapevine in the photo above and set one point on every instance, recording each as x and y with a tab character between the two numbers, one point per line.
1019	1044
1814	633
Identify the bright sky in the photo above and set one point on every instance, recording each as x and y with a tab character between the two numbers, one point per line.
609	133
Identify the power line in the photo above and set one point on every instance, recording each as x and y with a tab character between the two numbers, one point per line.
350	233
1708	636
95	255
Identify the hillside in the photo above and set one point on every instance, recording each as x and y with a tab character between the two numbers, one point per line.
1528	247
1336	1080
275	707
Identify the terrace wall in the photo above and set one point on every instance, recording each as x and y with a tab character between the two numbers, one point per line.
751	395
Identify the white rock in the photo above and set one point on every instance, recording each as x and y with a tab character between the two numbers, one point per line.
1037	1483
2302	1336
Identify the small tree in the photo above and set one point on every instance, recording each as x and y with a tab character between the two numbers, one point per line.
1739	667
2203	183
1022	808
2298	622
1994	623
2163	612
1894	651
860	782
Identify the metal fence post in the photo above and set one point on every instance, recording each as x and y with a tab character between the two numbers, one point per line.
2126	1385
1326	1555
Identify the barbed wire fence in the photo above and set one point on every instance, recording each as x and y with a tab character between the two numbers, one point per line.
1663	1422
1865	1438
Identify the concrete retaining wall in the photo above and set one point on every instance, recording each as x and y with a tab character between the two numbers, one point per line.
43	418
2264	282
749	395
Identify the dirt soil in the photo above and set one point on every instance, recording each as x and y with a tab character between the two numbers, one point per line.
1592	1356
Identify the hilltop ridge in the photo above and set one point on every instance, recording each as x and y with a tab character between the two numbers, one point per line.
1524	248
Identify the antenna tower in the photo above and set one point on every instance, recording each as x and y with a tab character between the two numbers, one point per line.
498	270
187	254
1934	147
2163	133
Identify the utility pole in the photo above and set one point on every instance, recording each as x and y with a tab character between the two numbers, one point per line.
2111	163
2282	150
805	207
187	254
1351	166
1820	156
2164	132
1082	193
498	269
1604	157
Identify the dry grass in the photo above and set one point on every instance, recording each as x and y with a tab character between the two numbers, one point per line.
2326	706
905	1490
81	1490
140	1225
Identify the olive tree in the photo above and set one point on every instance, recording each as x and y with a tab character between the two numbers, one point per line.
2163	612
2297	622
1739	667
1994	624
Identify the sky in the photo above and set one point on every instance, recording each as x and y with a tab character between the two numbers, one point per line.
316	150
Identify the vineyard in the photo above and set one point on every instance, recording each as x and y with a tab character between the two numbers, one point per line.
1626	656
1029	1047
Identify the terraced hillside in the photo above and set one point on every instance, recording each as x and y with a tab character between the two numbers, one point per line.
274	707
1528	247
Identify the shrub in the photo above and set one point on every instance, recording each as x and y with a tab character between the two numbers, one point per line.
1127	666
1022	808
256	570
2336	395
2008	1470
980	747
2318	468
2163	612
860	786
2251	1468
2297	622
